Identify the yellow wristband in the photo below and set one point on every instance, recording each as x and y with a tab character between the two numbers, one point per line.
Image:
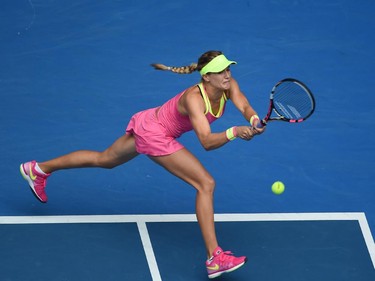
231	133
253	119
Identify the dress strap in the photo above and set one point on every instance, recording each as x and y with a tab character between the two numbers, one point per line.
208	104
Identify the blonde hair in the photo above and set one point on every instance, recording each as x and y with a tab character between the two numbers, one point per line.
180	70
202	61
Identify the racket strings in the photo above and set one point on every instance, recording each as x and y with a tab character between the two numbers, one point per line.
292	101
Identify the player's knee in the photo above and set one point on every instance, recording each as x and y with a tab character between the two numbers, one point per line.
208	185
103	161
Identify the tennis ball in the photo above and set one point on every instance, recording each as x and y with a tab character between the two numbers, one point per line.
278	187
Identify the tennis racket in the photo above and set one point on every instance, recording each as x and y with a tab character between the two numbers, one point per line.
290	101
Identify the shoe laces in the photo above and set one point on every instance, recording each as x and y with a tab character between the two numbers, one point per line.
226	257
40	181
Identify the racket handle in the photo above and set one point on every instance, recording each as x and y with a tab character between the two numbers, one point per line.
260	123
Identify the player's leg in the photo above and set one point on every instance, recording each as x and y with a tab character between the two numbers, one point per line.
36	174
121	151
186	166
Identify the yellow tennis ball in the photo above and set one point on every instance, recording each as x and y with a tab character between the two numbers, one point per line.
278	187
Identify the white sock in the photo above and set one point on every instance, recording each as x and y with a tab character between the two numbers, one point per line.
39	170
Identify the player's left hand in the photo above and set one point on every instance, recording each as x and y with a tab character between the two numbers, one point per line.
245	132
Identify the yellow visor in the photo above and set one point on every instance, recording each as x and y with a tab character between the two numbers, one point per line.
216	65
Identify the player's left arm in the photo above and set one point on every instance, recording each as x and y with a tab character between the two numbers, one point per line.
241	103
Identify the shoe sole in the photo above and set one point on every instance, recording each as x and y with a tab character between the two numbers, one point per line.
31	184
217	274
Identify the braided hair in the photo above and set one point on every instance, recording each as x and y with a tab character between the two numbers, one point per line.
202	61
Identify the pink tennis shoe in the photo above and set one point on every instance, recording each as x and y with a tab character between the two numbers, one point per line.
222	262
37	181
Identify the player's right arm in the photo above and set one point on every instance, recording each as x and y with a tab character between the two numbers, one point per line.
193	105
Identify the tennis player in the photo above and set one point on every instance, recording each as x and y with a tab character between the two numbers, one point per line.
154	131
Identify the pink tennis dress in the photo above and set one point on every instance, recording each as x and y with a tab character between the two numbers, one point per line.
156	129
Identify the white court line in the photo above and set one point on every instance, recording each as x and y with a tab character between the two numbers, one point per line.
141	221
149	251
368	238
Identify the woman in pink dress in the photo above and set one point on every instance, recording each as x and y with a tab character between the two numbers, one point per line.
154	132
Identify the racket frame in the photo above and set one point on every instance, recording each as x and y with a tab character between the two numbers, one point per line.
279	116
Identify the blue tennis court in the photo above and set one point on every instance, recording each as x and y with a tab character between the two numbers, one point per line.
328	246
74	72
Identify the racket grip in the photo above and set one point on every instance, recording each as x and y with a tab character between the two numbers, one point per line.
260	123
